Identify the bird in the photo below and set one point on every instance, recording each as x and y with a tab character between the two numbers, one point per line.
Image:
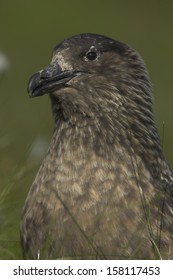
104	189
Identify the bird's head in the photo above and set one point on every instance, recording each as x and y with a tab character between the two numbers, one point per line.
102	84
92	75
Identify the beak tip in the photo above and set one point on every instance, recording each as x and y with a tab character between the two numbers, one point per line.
33	84
30	94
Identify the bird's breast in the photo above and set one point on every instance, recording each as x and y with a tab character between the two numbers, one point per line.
79	191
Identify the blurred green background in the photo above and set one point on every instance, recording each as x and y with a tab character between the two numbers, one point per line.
29	30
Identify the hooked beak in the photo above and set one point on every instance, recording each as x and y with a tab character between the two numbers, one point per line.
49	79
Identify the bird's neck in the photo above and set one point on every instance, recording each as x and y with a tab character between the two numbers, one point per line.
101	137
109	132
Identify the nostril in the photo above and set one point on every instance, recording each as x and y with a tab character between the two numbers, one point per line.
50	71
46	73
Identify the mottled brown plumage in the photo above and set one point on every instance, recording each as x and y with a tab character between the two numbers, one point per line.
104	189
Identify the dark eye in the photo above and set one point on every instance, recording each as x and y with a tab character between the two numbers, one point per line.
91	55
